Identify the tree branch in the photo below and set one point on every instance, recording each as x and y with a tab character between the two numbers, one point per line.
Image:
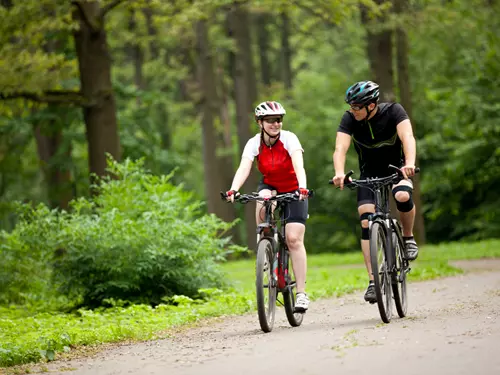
322	15
85	17
105	9
67	97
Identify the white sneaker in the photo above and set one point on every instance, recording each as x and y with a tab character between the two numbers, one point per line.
301	302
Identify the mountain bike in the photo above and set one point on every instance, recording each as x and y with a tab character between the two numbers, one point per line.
273	273
387	248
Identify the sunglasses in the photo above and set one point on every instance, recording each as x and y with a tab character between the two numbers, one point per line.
272	120
357	107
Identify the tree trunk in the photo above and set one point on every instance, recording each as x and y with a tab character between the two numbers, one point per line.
153	45
381	66
95	76
380	56
225	143
135	53
210	109
54	155
405	99
245	96
286	52
266	68
49	141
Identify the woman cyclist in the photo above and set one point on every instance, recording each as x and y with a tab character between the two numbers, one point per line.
279	159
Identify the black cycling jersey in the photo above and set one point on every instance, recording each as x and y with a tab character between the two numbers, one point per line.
376	141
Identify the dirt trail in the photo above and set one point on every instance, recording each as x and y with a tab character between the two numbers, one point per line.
453	328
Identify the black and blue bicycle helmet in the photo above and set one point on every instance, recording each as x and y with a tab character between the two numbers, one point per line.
363	93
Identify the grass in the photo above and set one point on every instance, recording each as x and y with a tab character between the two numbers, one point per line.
26	338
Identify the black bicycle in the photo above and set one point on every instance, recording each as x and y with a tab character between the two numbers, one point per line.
387	248
272	271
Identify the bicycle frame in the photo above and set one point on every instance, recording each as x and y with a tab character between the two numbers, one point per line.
277	232
383	215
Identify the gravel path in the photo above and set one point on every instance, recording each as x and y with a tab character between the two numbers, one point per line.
453	327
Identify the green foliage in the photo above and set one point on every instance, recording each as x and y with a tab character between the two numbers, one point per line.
454	87
458	121
140	239
28	32
28	339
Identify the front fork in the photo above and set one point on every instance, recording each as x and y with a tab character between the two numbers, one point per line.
396	234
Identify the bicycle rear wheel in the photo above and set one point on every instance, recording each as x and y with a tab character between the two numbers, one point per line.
399	284
294	318
265	285
381	277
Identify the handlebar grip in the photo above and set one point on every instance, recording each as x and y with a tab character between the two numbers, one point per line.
346	178
347	181
223	195
417	170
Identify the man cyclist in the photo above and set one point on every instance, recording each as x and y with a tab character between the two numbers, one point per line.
382	135
280	160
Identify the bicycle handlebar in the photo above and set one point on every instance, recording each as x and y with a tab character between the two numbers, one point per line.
379	181
245	198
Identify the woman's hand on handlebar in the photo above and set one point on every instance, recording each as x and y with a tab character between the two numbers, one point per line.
230	195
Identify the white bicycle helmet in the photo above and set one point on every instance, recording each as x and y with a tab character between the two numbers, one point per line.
269	108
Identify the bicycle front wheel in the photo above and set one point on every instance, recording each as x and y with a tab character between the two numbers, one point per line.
381	277
265	284
399	284
294	318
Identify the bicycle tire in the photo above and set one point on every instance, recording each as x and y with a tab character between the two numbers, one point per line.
294	318
399	287
380	271
264	266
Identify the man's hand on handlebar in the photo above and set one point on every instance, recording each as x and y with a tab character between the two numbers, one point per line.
338	180
408	171
342	179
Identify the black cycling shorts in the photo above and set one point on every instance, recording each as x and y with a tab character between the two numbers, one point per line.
366	196
296	211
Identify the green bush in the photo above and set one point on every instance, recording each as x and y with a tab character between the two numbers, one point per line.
140	239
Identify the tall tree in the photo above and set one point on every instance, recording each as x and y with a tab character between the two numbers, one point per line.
245	87
379	47
286	58
54	154
262	23
94	62
406	100
210	110
135	52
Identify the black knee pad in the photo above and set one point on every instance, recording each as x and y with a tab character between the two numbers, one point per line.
404	206
365	232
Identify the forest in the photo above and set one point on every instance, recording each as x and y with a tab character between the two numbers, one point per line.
121	121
